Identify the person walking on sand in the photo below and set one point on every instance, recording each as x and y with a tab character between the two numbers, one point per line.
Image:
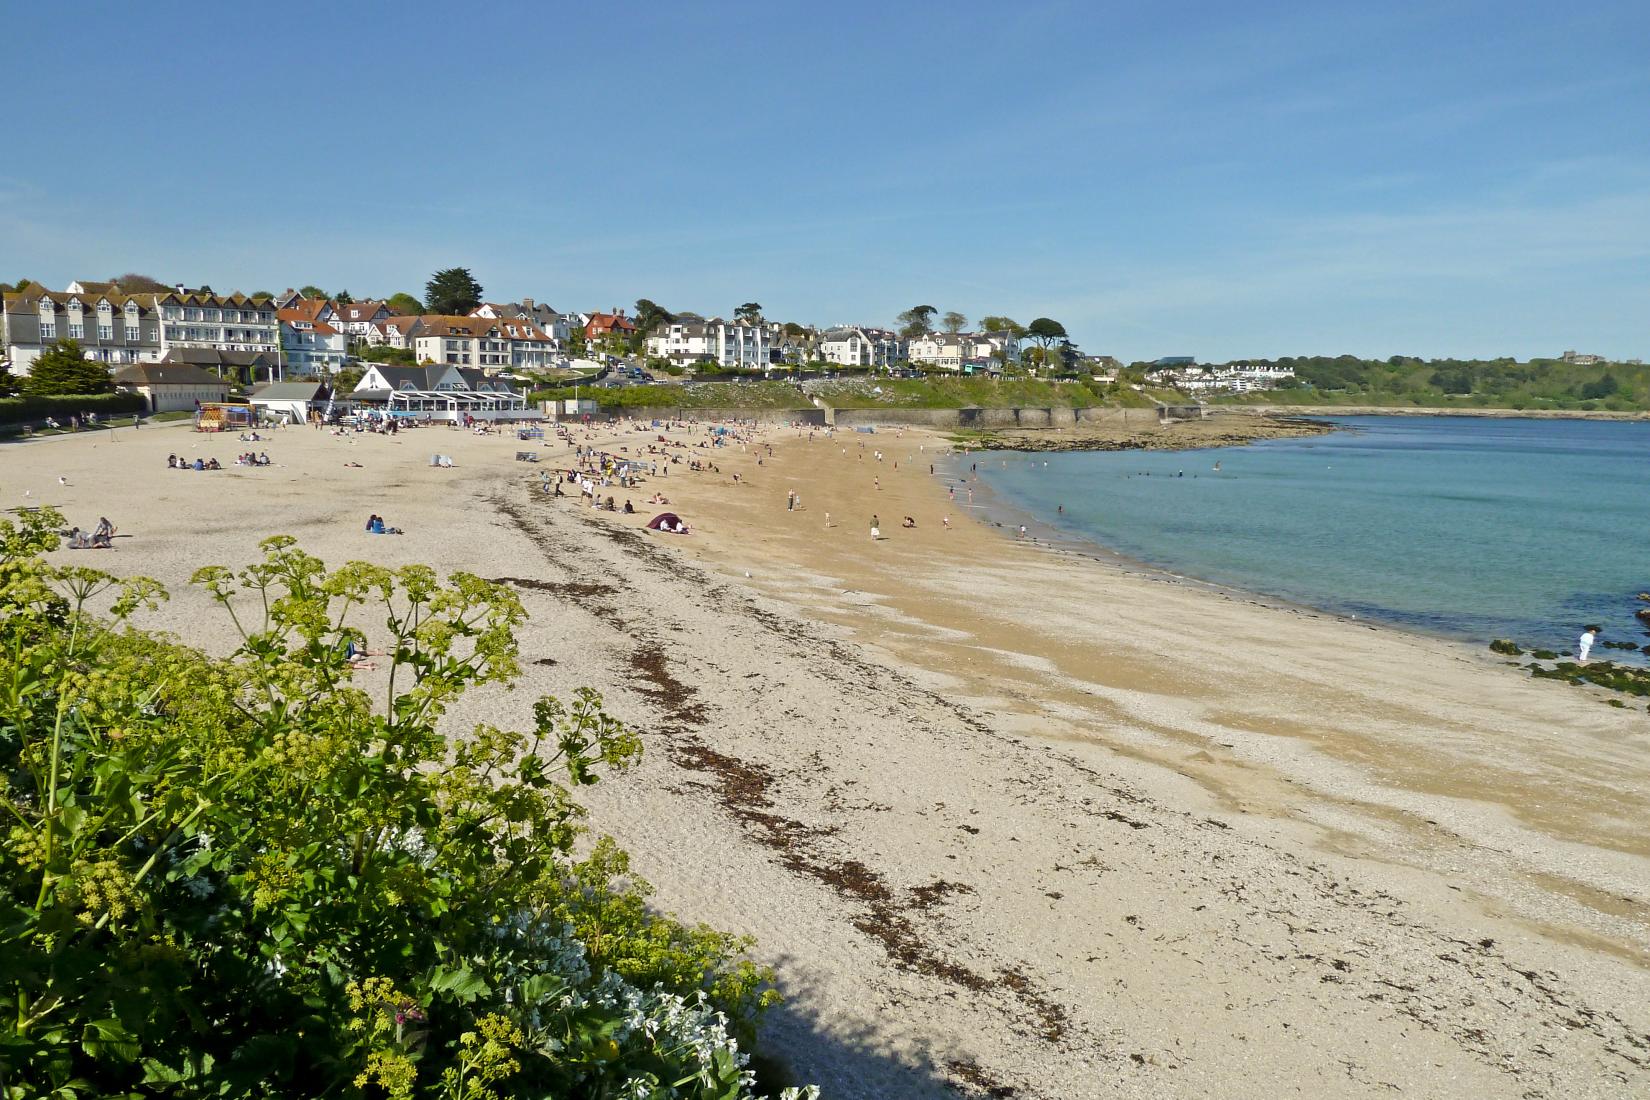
945	522
876	528
1584	644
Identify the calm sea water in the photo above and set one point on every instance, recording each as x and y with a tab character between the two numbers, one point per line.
1472	528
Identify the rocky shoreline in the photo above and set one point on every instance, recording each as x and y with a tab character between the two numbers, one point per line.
1220	429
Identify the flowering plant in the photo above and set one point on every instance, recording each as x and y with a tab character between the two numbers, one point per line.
244	876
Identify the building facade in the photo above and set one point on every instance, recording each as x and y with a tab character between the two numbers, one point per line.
109	325
310	347
688	340
202	319
490	344
857	346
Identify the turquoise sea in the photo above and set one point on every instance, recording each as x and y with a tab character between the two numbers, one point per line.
1471	528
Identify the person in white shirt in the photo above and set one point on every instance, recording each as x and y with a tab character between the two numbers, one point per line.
1584	644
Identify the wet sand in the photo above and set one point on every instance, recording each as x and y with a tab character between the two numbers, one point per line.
1004	816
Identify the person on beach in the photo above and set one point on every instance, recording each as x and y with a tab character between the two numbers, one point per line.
876	528
1584	644
945	522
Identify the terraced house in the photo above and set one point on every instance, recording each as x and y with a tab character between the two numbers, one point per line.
858	346
491	344
111	326
200	319
689	339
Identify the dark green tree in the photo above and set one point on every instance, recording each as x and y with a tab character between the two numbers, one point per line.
343	298
312	291
64	369
916	321
258	294
1604	387
405	304
999	323
650	315
1046	332
953	322
452	291
134	283
750	312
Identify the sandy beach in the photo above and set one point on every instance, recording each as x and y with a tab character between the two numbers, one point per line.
1007	820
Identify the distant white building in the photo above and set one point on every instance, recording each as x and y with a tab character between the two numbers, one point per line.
859	346
955	350
1230	378
310	347
689	340
491	344
1582	360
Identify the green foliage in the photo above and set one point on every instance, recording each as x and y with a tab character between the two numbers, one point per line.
750	312
343	298
705	395
916	321
1046	331
405	304
136	283
1538	384
347	379
64	369
23	410
383	353
452	291
1000	323
312	292
953	321
244	877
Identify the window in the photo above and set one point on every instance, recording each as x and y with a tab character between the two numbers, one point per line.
48	330
105	332
133	333
211	315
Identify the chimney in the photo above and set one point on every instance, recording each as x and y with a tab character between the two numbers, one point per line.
527	304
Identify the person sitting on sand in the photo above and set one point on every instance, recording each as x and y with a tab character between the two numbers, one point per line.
213	465
171	462
908	522
101	541
105	529
78	539
629	509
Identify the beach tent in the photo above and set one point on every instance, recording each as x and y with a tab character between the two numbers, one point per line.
658	521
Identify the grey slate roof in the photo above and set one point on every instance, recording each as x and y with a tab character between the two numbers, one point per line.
165	374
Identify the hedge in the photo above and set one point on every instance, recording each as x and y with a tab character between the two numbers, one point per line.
21	410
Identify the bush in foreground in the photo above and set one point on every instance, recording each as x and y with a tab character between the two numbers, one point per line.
238	877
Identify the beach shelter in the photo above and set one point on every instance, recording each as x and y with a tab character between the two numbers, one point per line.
658	522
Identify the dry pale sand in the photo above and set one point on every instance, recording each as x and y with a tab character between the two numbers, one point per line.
1008	820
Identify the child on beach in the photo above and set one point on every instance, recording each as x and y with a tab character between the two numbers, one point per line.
1584	644
876	528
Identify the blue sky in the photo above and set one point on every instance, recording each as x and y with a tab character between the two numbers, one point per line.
1208	179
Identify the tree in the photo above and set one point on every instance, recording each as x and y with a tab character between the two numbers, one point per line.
750	313
452	291
8	384
134	283
1046	332
953	321
312	292
405	304
916	321
260	294
1604	387
999	323
343	298
794	329
650	315
64	369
